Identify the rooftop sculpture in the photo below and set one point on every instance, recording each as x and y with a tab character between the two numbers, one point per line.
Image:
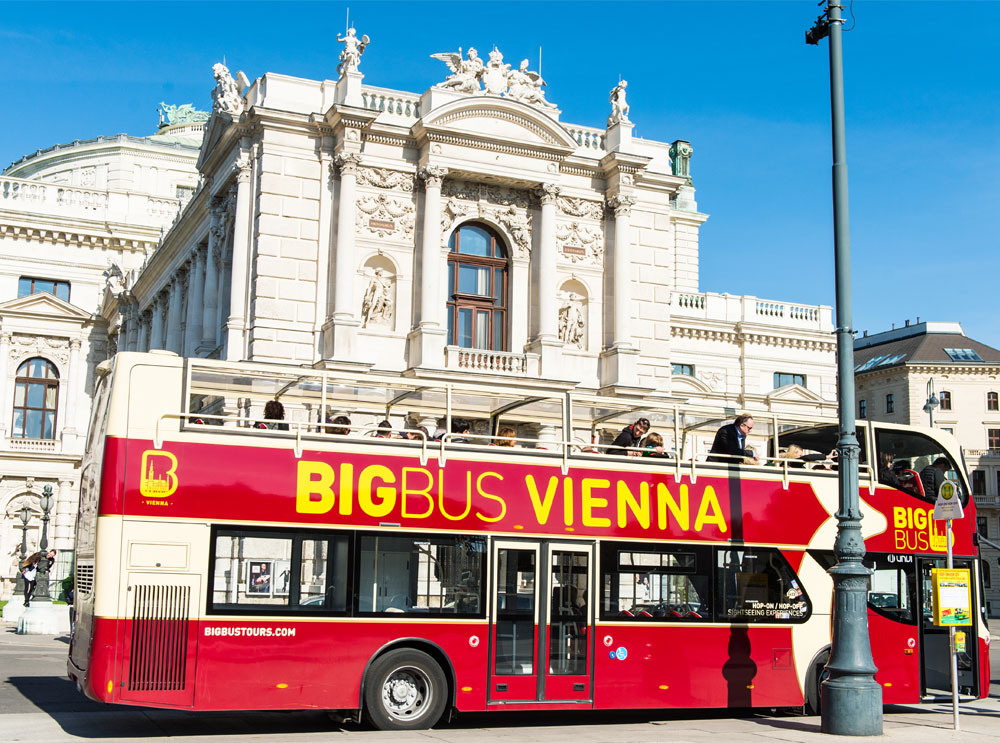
350	55
495	77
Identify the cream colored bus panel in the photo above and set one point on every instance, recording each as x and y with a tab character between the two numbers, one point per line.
108	566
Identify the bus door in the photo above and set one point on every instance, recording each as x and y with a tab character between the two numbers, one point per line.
542	625
934	644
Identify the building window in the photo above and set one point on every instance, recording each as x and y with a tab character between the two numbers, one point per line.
979	482
962	354
862	408
993	438
945	399
982	526
27	285
890	403
781	379
987	583
36	396
992	401
477	289
685	370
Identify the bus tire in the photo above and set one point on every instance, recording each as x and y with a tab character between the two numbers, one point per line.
814	679
405	689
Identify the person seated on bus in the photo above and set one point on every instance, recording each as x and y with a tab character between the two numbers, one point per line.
461	428
341	425
794	451
932	476
629	439
652	445
420	434
275	411
731	440
886	476
505	437
384	430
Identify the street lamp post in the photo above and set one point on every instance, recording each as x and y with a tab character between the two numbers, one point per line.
932	401
25	515
851	699
44	564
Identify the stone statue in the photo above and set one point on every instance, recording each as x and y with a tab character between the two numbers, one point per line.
185	114
519	226
571	324
526	86
114	279
376	307
467	72
350	56
226	96
619	106
495	74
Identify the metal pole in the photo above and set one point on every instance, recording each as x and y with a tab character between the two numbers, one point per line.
851	698
44	564
951	644
19	581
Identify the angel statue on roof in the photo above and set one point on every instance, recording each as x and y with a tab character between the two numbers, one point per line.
350	55
526	86
467	72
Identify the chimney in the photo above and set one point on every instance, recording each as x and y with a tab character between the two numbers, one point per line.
866	334
907	324
918	319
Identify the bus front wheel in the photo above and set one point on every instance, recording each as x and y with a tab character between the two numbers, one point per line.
405	690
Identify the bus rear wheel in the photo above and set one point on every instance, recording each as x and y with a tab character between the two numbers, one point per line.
405	690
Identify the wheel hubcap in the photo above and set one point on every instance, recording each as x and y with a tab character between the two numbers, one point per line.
406	692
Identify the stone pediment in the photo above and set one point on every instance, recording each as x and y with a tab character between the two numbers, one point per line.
42	305
497	119
794	393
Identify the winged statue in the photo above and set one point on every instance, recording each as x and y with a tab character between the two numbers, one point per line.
466	73
526	86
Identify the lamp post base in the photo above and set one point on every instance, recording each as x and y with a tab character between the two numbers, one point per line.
44	619
851	706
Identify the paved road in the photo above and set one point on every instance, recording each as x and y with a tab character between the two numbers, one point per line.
39	705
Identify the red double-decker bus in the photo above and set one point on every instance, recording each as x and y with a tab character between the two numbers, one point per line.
228	561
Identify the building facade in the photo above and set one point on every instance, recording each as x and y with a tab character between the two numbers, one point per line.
465	231
74	218
898	371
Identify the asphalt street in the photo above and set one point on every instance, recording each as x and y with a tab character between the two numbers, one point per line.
38	704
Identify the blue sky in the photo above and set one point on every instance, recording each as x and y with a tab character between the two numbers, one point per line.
734	78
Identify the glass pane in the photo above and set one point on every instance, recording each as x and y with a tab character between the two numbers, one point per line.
43	285
50	396
498	289
19	391
249	571
37	367
22	370
498	328
451	279
32	424
474	280
475	241
312	577
482	329
758	585
18	427
23	286
50	421
451	326
62	291
568	618
515	632
465	327
36	395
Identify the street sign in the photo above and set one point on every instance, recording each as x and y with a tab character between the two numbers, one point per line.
952	598
948	505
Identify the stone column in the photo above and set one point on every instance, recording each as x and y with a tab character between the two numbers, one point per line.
236	324
427	341
619	364
340	329
210	311
157	311
142	340
196	302
65	515
174	317
4	354
74	388
547	343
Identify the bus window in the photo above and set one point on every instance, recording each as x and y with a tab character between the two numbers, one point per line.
911	452
649	583
756	584
420	574
812	439
893	591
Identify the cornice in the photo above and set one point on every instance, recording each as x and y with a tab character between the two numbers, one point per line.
759	337
73	237
538	152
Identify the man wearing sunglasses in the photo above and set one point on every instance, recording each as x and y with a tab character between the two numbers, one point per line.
731	439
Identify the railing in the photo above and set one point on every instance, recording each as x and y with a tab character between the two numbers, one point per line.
115	138
494	362
982	452
400	104
734	308
36	445
589	139
986	500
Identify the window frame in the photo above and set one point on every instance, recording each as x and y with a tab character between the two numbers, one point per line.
944	399
479	303
28	381
978	482
993	439
799	379
863	409
56	284
890	403
992	402
682	373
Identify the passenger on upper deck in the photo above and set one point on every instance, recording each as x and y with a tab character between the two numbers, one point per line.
505	437
731	439
794	451
886	476
460	426
652	445
932	476
384	430
341	425
275	411
629	438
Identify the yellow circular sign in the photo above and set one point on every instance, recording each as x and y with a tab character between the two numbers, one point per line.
947	490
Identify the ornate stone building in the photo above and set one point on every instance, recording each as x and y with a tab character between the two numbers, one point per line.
463	231
897	371
74	218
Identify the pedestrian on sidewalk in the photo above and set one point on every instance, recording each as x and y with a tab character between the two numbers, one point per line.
29	573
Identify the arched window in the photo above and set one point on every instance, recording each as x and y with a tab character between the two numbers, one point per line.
477	289
36	395
945	398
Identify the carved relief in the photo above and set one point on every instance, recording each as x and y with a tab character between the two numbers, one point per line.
377	304
27	346
383	215
385	178
504	206
580	242
572	322
713	379
518	224
580	208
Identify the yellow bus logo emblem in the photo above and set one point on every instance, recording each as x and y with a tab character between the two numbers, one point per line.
159	474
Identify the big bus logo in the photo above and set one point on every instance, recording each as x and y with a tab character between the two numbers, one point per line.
916	531
159	474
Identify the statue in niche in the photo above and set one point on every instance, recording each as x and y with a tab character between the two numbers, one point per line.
495	74
467	72
226	95
619	106
571	322
526	86
376	307
350	55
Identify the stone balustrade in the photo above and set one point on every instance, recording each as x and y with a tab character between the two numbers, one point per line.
50	446
60	200
982	453
491	362
733	308
392	101
986	500
589	139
